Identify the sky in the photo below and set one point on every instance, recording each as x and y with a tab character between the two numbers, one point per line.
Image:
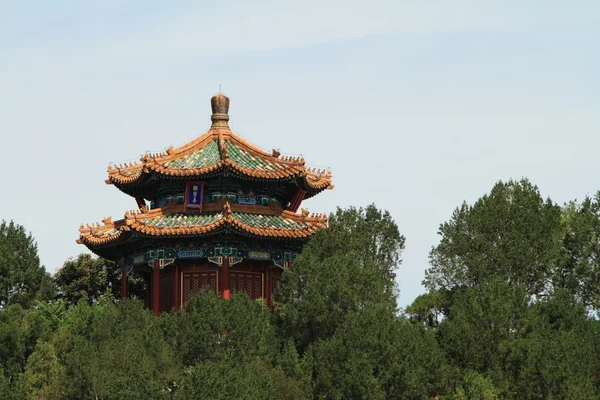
415	106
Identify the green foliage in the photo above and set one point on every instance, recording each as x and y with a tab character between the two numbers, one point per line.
293	366
20	330
513	284
44	376
513	275
22	278
115	351
480	320
341	269
428	308
6	392
233	380
476	387
510	233
86	277
238	330
89	277
377	355
52	312
13	337
557	359
580	271
509	347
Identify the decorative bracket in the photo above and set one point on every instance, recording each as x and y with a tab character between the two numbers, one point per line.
162	262
216	260
226	251
282	264
235	260
158	253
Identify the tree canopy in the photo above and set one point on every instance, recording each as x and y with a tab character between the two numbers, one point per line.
511	233
343	269
22	278
88	277
579	271
509	314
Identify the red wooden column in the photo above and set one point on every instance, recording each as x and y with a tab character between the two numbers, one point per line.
124	283
176	288
156	288
268	289
296	200
225	283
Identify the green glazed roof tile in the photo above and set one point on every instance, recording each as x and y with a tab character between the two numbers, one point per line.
107	233
268	221
247	160
132	173
183	220
208	155
254	220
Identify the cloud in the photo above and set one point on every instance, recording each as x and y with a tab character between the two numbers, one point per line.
121	32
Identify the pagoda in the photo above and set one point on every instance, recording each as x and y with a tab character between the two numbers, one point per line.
216	213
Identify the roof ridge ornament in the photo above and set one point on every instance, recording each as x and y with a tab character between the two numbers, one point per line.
222	147
220	111
227	212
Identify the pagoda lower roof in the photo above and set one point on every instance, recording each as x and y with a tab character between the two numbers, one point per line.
214	153
172	222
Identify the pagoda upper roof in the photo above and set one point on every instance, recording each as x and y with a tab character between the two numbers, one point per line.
171	221
215	152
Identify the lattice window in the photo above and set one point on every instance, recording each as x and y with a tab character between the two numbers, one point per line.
249	282
194	281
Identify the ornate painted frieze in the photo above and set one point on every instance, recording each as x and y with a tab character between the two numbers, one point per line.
209	252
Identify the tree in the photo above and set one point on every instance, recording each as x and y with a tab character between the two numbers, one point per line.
22	278
375	354
6	392
506	346
476	387
44	374
512	233
13	349
90	277
85	277
238	330
20	330
579	272
428	308
114	351
481	321
558	356
340	270
229	350
233	380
